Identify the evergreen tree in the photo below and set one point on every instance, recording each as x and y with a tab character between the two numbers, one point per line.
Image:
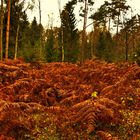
70	35
36	32
105	47
25	47
50	46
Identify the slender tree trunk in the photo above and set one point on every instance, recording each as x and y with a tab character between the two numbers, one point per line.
133	41
126	46
8	29
118	20
1	31
39	11
63	52
40	42
109	24
84	31
62	45
16	44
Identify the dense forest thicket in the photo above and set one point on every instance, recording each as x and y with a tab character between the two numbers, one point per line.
115	34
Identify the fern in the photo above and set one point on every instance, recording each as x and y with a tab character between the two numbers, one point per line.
105	136
15	116
89	112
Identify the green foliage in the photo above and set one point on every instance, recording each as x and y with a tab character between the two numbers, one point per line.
52	50
34	45
70	34
35	32
105	48
17	16
30	42
50	46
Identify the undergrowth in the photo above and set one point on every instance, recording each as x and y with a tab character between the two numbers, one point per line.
63	101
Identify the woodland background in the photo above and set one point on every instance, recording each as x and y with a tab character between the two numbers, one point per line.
115	34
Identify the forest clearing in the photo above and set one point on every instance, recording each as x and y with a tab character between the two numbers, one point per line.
64	101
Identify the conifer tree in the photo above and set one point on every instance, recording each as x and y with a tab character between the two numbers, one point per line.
84	13
70	34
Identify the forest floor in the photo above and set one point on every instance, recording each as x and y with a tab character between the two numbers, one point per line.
63	101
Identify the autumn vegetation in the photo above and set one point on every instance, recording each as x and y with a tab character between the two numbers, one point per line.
95	100
62	83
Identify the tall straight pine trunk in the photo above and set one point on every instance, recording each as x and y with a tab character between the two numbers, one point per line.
16	44
83	45
61	32
1	31
40	40
7	29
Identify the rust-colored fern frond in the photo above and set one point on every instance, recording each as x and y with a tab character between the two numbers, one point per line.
15	116
89	112
5	67
105	136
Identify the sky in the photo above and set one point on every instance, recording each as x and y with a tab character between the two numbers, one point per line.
50	11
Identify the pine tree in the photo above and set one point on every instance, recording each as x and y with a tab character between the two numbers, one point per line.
36	31
1	30
50	46
70	35
84	13
105	47
8	28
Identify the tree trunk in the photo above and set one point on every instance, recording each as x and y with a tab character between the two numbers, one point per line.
40	41
1	31
62	46
84	31
118	20
109	21
16	44
39	11
126	46
7	30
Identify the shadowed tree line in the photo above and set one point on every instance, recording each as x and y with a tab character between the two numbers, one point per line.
115	35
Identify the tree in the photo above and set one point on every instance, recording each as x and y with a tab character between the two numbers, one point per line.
93	39
24	45
84	14
70	35
39	6
50	46
61	33
16	44
18	14
103	15
36	31
8	28
129	31
1	30
104	47
40	43
20	11
119	7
